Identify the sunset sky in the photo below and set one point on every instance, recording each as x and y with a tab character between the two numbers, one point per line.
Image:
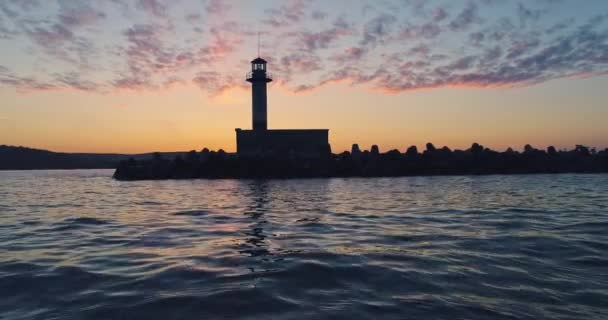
168	75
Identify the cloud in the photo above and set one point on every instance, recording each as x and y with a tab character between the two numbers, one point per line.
153	7
217	7
527	15
392	47
194	18
420	50
28	83
73	80
300	62
522	46
312	41
149	60
133	83
318	15
77	14
56	35
490	56
145	51
5	31
215	83
477	38
439	14
52	35
290	12
14	8
349	55
427	31
23	83
61	43
465	18
582	53
378	29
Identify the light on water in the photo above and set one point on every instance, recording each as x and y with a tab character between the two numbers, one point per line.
80	245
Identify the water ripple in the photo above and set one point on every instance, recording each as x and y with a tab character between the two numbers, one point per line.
79	245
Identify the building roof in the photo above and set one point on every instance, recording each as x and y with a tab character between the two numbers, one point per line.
258	60
283	131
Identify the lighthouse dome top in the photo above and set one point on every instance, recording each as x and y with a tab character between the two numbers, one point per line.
258	60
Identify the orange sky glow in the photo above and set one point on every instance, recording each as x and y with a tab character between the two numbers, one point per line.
181	117
157	75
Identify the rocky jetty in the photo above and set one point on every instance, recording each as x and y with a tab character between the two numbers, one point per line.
373	163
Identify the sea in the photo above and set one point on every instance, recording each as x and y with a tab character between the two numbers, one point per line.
80	245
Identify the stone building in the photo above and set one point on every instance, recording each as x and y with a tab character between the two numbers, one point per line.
260	142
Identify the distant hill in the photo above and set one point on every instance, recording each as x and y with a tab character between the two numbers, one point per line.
23	158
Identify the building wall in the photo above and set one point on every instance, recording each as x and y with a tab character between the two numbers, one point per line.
298	143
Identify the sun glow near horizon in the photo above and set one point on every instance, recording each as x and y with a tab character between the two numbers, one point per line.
182	118
81	77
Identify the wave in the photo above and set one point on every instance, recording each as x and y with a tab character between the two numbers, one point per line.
498	248
191	213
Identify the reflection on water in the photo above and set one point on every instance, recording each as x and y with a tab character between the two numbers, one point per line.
255	241
77	244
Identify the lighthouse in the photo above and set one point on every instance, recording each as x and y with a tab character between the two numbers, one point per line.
259	78
261	142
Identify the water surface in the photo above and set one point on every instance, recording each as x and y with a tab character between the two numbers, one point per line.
79	245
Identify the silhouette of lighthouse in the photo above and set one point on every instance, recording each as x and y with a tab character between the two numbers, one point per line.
259	78
262	143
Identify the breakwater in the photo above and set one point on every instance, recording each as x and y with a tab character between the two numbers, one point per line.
368	163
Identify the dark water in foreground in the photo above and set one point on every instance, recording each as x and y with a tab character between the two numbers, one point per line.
79	245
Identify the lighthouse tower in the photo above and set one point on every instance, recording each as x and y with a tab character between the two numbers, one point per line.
260	142
259	78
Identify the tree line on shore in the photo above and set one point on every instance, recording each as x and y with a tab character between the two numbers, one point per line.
368	163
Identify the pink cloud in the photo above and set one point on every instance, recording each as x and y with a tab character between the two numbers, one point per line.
153	7
378	48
